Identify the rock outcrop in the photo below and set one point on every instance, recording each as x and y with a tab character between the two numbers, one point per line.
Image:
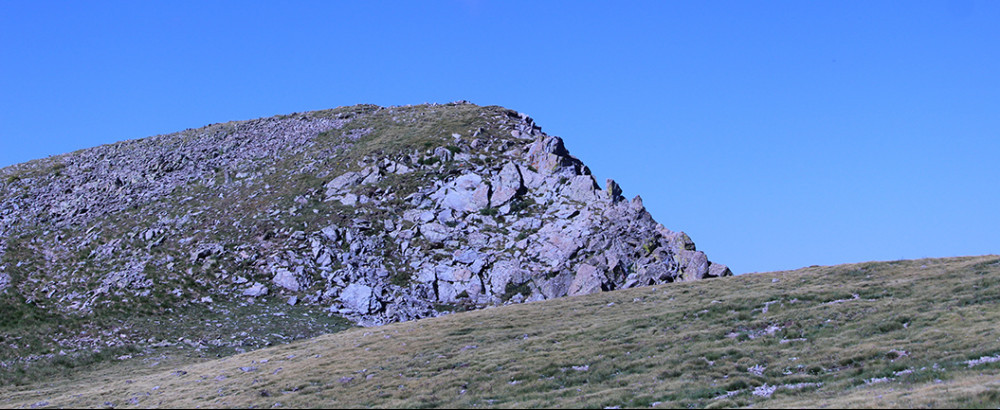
381	214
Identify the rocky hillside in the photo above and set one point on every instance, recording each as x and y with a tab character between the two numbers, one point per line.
377	214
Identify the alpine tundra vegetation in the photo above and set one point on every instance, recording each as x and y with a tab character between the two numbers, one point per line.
358	214
352	257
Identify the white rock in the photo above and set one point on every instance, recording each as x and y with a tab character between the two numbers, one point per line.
435	232
286	279
330	232
343	182
459	194
255	290
359	298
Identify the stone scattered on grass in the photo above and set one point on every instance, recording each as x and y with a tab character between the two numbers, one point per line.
983	360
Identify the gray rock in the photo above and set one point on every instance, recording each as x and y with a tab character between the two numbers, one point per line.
477	266
718	270
557	286
330	232
446	292
694	264
466	256
324	259
506	185
587	280
443	153
478	239
481	197
371	174
398	168
454	274
4	281
255	290
459	195
286	279
205	250
532	180
360	298
680	241
348	199
636	204
435	232
558	246
581	188
426	216
503	273
343	182
614	191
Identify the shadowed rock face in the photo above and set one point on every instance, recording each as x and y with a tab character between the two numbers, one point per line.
381	214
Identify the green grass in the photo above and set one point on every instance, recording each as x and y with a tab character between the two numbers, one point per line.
31	332
903	342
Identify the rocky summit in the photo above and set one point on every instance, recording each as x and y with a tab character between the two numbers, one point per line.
377	214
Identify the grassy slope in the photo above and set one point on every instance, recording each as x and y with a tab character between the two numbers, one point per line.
914	323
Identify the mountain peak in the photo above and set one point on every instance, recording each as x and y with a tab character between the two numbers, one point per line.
379	214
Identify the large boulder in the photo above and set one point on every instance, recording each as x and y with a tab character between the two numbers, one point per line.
467	193
435	232
360	298
506	185
582	188
342	183
694	264
286	279
588	280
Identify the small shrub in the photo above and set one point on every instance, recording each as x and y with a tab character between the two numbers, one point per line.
400	278
669	374
521	205
488	211
889	326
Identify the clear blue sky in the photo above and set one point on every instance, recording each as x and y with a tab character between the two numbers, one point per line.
777	134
